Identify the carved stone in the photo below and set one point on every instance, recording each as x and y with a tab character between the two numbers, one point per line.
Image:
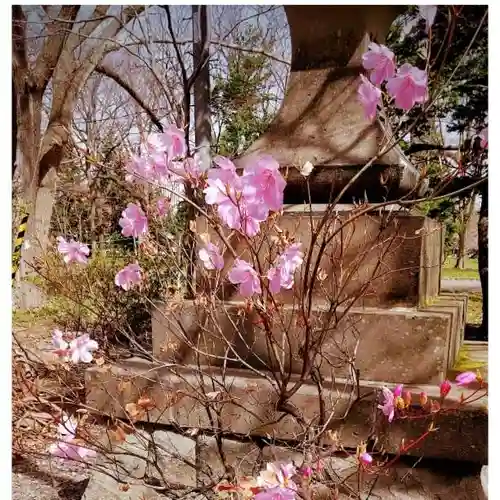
321	119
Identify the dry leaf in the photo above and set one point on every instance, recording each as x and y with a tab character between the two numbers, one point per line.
134	412
146	403
118	435
192	226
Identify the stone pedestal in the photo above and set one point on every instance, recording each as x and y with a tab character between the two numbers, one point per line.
321	119
384	268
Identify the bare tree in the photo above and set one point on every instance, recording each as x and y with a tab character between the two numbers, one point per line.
55	50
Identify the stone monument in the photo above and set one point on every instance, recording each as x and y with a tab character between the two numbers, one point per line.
401	329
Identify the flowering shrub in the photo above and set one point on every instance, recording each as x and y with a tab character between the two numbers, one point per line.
238	202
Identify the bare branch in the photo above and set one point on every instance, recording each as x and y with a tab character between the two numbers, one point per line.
137	98
53	46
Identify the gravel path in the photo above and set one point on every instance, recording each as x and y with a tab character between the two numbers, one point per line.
460	285
48	479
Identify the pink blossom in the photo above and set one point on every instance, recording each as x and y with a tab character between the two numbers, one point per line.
277	475
81	349
242	216
380	60
269	185
369	96
60	344
398	390
288	262
484	137
192	166
211	257
408	87
67	448
70	451
365	458
73	251
138	169
172	142
224	163
388	406
428	13
277	482
67	428
444	388
163	206
129	276
466	378
244	274
225	189
276	493
306	471
133	222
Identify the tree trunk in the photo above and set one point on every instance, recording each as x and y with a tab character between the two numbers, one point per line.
28	295
460	263
482	236
465	216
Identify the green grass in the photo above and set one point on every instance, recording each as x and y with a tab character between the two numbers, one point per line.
475	308
469	273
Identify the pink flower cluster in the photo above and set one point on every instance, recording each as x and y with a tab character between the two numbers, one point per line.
407	85
73	251
129	276
67	446
133	221
243	202
282	274
399	399
78	349
160	158
279	276
276	482
211	257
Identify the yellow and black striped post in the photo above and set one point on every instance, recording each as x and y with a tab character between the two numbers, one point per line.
16	254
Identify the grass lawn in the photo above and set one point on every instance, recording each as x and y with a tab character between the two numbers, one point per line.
475	308
469	273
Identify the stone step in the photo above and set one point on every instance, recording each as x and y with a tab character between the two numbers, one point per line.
400	345
179	457
246	405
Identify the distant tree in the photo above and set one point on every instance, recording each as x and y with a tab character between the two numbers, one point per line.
241	100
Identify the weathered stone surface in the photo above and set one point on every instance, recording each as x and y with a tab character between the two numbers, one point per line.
125	465
381	260
175	456
405	483
103	487
241	457
249	408
455	309
321	119
128	459
282	454
400	345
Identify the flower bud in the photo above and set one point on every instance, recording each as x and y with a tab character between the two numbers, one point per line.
444	388
423	398
365	458
407	398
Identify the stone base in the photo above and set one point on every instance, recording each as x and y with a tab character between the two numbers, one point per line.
400	345
247	459
250	408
